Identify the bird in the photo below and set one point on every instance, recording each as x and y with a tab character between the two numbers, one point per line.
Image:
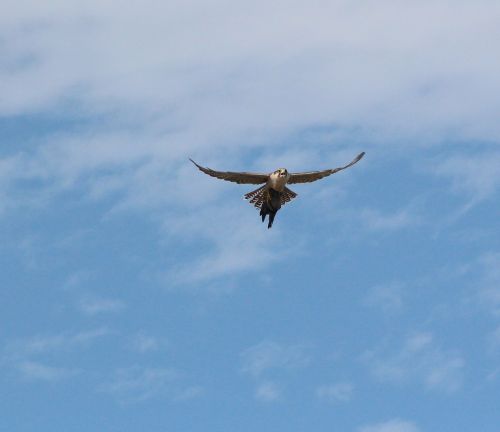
274	193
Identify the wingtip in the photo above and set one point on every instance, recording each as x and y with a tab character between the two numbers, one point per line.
360	156
194	162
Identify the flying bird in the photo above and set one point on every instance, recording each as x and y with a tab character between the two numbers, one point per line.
274	193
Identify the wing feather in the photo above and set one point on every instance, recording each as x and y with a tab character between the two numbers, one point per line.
236	177
307	177
287	196
258	196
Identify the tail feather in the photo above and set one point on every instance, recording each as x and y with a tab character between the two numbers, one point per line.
276	201
258	196
287	196
269	201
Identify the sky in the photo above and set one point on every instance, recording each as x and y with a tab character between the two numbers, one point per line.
136	293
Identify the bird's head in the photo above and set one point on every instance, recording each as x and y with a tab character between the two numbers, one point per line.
282	172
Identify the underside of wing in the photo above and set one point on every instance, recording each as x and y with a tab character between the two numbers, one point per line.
235	177
307	177
287	196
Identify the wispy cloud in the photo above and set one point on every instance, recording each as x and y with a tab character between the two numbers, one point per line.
266	362
128	93
29	356
375	220
394	425
143	343
142	115
33	370
494	339
193	210
305	74
95	306
191	392
136	384
387	297
268	392
474	175
488	282
236	243
52	343
339	392
419	360
269	355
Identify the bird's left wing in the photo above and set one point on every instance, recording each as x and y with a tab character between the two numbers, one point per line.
307	177
236	177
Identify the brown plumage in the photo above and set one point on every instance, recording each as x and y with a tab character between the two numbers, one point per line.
270	197
258	196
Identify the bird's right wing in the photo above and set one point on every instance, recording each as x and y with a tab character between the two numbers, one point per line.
236	177
307	177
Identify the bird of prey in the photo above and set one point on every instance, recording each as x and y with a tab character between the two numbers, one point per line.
273	194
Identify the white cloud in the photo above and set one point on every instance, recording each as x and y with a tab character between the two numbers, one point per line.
333	62
42	344
140	383
494	339
32	370
388	298
419	360
189	393
269	355
143	343
375	220
136	384
193	208
488	282
24	355
152	92
394	425
270	359
339	392
268	392
94	306
475	175
238	242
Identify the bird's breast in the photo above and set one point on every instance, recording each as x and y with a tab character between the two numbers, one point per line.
277	182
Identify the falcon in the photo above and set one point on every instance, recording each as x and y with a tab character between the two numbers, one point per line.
274	193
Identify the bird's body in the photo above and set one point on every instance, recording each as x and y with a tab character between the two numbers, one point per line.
274	193
278	179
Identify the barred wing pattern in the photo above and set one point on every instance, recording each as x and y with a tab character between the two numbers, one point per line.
236	177
307	177
258	196
287	196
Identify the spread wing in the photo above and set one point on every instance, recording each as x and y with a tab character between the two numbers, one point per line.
307	177
236	177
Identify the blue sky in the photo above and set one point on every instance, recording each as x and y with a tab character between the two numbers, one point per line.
139	294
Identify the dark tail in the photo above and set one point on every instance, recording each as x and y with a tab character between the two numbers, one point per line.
270	206
271	219
263	211
269	201
267	210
